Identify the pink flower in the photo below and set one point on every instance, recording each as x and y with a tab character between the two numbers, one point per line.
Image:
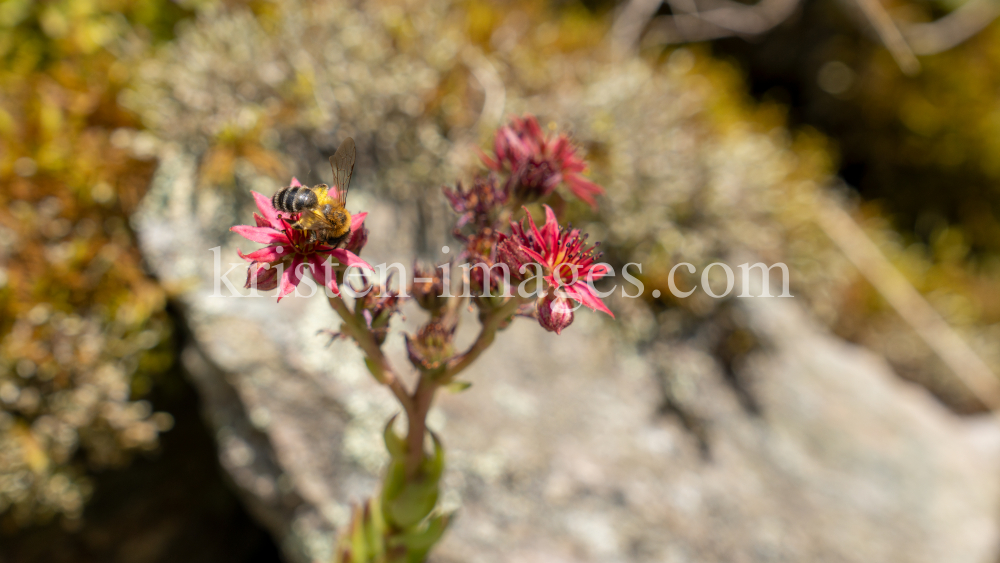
538	163
293	249
567	265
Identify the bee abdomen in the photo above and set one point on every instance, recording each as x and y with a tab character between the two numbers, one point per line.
294	199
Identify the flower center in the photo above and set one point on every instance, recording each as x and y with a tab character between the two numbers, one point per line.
570	259
302	241
566	273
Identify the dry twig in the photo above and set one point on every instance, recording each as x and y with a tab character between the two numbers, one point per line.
893	286
890	35
951	30
495	94
628	26
704	20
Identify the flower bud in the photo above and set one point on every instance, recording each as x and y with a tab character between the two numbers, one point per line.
554	313
432	346
428	289
509	252
262	275
480	204
377	307
486	283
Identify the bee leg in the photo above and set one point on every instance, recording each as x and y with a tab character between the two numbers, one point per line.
338	242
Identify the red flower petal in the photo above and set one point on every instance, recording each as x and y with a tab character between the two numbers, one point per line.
534	229
552	181
584	189
266	209
349	259
263	235
295	182
291	277
534	255
358	220
550	230
489	161
516	144
323	273
581	292
266	254
534	127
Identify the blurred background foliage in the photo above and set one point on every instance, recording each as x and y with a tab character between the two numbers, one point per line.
920	153
82	343
83	333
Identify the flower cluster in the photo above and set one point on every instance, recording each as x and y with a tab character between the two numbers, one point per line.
403	522
290	251
527	166
479	204
479	208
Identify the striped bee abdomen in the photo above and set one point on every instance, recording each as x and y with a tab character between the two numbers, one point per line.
294	199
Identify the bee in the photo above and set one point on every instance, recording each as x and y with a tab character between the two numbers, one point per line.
323	210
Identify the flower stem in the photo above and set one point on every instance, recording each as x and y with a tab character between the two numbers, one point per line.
491	322
423	398
377	361
427	386
418	405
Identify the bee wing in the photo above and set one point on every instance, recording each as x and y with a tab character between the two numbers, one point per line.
342	163
313	220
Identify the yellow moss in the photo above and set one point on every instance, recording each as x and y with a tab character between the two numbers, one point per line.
73	297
